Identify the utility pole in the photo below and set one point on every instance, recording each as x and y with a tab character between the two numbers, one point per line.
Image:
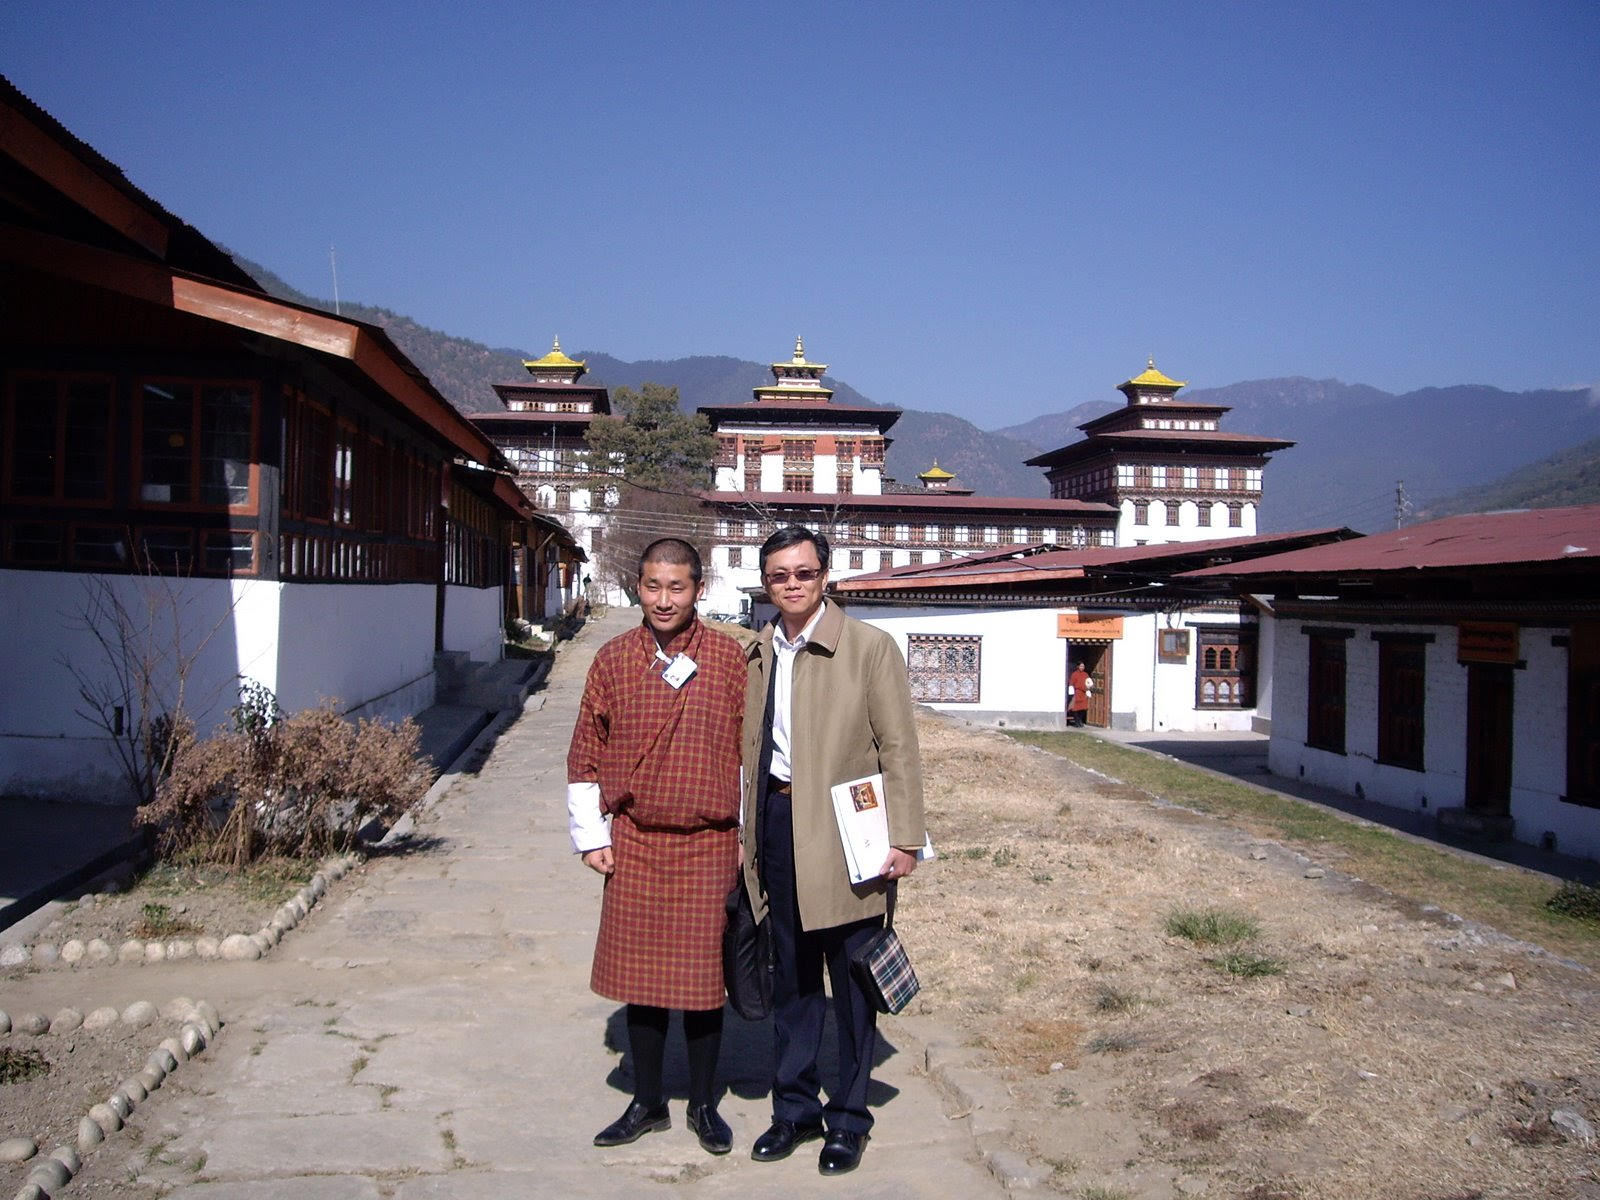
1402	503
333	262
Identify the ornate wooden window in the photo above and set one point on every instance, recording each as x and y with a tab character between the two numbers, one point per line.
1235	516
1141	512
872	452
845	479
1402	677
752	467
944	668
1208	478
1141	476
1202	513
736	556
1225	672
855	560
1325	685
727	450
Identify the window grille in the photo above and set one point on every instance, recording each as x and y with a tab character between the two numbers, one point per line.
944	667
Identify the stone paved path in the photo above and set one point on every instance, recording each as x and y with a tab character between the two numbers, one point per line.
429	1032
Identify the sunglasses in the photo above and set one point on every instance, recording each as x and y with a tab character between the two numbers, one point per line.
799	575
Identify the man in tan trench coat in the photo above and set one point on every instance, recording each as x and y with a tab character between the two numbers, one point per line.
827	701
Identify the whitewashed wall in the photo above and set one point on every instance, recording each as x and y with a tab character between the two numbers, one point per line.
46	746
1154	696
1538	760
474	621
368	646
1023	672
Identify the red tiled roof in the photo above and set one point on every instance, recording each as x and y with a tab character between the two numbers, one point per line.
1541	535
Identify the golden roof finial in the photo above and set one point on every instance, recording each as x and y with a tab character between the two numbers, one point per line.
1150	362
555	346
799	349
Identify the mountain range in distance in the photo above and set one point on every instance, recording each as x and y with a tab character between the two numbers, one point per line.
1360	452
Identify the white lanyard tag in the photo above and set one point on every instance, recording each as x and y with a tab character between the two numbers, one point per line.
677	671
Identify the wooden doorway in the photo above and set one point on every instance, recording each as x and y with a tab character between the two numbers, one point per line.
1489	738
1096	659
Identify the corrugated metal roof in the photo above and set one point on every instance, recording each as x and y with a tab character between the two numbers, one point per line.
1032	562
1539	535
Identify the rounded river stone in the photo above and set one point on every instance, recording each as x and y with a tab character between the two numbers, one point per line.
139	1014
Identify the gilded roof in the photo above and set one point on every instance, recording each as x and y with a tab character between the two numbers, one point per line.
554	359
1150	377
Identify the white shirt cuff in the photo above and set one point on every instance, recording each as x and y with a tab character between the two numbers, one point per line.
586	824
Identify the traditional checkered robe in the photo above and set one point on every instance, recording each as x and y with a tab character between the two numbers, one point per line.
667	761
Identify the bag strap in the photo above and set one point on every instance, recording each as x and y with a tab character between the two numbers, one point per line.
888	916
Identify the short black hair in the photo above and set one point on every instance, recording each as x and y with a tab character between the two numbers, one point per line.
792	535
675	552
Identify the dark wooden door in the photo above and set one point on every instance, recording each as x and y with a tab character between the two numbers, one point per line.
1096	659
1489	710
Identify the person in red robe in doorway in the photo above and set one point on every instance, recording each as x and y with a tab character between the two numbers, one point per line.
653	805
1079	685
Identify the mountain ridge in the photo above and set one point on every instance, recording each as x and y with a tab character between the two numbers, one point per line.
1356	446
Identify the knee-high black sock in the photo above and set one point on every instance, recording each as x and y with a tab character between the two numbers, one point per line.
702	1030
647	1042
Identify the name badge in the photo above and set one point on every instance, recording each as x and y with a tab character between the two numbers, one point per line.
677	671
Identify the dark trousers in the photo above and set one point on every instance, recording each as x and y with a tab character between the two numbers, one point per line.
798	1001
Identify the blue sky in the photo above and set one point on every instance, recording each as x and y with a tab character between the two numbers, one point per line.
994	209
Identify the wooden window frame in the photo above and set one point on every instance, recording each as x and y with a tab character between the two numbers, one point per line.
1225	659
1327	714
8	439
1402	699
252	504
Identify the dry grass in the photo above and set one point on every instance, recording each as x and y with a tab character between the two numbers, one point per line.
1386	1039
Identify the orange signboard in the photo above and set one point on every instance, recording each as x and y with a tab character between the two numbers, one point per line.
1487	642
1081	627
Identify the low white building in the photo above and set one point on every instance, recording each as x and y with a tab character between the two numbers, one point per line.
995	638
1450	667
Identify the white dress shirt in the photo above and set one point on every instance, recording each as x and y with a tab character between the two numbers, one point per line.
783	655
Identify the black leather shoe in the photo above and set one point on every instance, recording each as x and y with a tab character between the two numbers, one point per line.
707	1125
781	1138
636	1120
841	1152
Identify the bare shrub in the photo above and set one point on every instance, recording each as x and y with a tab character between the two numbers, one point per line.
297	786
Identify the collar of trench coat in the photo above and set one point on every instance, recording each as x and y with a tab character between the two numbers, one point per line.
851	715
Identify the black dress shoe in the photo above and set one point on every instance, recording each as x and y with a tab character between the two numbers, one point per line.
841	1152
707	1125
636	1120
781	1138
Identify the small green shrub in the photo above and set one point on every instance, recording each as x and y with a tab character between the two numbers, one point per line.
18	1066
1112	1043
1574	899
1114	1000
159	921
1246	965
1211	926
1005	857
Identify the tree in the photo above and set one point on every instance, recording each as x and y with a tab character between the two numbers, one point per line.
663	457
657	445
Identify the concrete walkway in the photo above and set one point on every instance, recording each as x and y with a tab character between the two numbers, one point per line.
429	1032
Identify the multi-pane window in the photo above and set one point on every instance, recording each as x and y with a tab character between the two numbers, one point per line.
1225	667
944	667
1236	516
845	479
58	439
736	556
872	452
1202	513
855	560
1402	673
1141	512
752	468
1325	684
196	443
902	534
727	450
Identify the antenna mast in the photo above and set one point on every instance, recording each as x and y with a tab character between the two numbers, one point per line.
333	262
1402	503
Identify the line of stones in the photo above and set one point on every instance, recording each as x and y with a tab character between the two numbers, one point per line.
234	947
201	1024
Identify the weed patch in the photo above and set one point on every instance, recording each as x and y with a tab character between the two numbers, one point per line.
16	1066
1211	926
1576	900
158	921
1247	965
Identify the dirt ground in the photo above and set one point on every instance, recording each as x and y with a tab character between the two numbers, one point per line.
1398	1054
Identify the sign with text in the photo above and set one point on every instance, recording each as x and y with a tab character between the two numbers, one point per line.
1487	642
1085	627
